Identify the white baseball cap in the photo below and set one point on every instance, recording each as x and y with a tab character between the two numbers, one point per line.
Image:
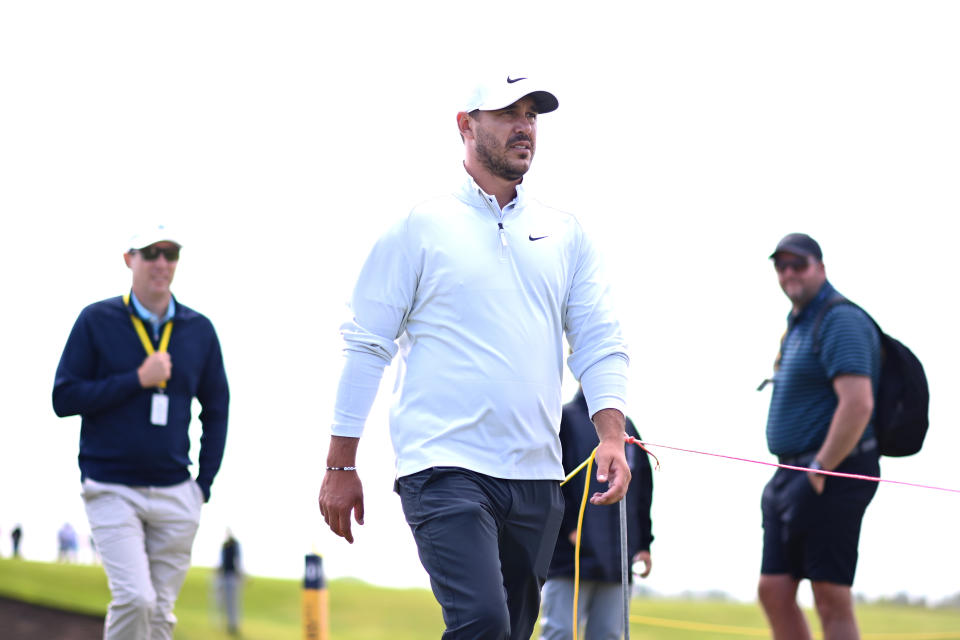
497	93
151	234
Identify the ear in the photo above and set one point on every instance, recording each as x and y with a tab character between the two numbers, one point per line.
127	257
465	125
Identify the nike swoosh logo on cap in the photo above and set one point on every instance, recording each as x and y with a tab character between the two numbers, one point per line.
534	238
512	80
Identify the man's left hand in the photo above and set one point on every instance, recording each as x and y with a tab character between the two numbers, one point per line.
612	468
611	459
643	557
817	481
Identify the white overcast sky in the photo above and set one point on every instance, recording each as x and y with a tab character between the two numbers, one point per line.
282	137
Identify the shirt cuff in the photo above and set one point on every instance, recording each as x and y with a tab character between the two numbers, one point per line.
605	384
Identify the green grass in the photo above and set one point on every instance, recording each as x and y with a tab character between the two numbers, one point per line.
671	619
358	611
271	607
72	587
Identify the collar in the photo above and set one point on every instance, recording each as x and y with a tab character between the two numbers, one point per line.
826	292
471	193
148	315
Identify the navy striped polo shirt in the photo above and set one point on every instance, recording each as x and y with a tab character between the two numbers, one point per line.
803	399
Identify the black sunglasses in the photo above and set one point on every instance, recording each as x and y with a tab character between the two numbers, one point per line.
151	253
799	265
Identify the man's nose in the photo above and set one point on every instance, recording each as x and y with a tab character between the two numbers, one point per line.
523	125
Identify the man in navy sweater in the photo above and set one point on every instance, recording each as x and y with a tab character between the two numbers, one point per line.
131	368
600	600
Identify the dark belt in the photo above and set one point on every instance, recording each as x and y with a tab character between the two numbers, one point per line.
804	459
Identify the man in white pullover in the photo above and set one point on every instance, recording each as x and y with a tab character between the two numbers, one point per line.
482	284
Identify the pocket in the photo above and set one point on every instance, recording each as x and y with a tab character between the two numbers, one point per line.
800	488
768	499
105	507
415	482
198	492
88	489
91	489
410	488
798	499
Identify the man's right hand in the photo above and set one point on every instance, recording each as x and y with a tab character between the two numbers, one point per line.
155	369
341	493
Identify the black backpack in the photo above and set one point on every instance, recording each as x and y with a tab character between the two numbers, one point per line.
900	417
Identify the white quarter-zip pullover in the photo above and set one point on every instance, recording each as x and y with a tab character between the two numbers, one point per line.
479	299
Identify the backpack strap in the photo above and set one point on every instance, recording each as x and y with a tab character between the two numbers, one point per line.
830	304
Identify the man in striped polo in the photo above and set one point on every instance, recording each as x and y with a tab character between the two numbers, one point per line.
820	418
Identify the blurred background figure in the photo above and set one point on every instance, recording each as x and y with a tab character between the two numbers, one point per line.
600	600
230	582
15	537
66	543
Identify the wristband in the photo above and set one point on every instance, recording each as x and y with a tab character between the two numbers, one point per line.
341	468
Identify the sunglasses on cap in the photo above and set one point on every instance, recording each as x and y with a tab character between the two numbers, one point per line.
151	253
799	265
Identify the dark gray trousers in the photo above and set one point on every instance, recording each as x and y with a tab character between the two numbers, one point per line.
486	544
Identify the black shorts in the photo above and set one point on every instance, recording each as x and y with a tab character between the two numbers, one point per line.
816	536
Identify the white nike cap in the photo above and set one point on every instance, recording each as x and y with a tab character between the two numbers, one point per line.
151	234
502	92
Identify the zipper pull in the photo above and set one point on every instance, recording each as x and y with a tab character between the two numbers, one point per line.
503	241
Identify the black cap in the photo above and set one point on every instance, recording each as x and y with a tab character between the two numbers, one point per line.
800	244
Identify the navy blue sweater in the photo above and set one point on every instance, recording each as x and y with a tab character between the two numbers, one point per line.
600	537
97	379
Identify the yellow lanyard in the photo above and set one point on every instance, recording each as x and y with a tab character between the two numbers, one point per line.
145	339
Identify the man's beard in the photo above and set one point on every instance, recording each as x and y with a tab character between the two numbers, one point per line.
495	163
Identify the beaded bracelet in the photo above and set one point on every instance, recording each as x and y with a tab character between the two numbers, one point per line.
341	468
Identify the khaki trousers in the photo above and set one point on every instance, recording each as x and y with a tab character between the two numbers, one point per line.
144	536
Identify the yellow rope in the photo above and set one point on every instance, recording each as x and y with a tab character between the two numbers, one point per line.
579	467
588	463
925	635
754	631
